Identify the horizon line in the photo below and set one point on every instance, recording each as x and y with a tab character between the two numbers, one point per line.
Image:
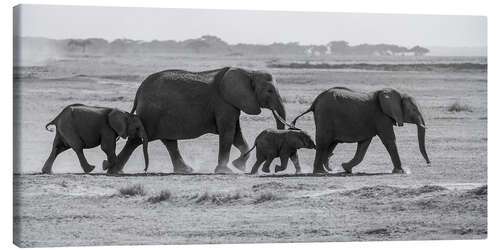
110	40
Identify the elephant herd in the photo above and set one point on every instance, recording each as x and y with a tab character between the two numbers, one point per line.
174	105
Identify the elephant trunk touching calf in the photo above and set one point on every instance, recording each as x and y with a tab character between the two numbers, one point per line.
176	105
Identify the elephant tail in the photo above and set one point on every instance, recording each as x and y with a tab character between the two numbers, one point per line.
248	152
303	113
135	105
135	99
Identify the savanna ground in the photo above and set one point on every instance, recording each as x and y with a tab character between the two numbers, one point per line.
445	201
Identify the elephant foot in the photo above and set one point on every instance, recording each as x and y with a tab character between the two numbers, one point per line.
46	171
223	170
105	165
347	168
319	171
182	168
327	166
240	163
88	169
265	169
279	168
398	171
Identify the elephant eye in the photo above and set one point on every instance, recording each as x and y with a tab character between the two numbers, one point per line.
270	91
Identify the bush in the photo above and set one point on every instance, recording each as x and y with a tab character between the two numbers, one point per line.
133	190
458	107
164	195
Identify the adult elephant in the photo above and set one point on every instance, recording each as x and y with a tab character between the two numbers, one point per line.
176	104
345	116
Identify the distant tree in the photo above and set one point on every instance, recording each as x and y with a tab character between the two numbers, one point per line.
338	47
82	43
419	51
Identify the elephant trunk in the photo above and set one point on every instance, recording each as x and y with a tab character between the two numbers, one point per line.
279	111
421	140
144	137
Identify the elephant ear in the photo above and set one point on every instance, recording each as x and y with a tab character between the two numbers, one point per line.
118	121
294	140
390	103
237	89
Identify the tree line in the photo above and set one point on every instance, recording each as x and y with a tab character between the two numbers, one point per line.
212	45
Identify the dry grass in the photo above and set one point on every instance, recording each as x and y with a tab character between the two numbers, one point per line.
459	107
263	197
133	190
164	195
218	198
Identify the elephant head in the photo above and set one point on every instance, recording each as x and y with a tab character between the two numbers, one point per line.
129	125
300	139
250	91
402	108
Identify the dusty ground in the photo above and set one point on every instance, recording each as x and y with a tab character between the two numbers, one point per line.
67	208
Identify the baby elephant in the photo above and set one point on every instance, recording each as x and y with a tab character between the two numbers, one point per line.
80	127
272	143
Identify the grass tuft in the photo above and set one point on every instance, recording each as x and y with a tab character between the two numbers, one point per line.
164	195
458	107
483	190
133	190
263	197
218	198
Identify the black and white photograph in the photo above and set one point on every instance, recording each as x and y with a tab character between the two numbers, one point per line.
161	126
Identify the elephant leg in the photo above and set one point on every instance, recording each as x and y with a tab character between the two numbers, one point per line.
240	143
284	163
123	156
87	168
226	139
330	153
390	145
108	145
265	168
320	159
74	141
57	148
358	157
260	159
295	160
180	166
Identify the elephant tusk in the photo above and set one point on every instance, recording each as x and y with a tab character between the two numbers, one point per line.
283	120
422	126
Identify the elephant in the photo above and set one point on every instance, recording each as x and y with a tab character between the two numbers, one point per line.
272	143
177	104
81	127
342	115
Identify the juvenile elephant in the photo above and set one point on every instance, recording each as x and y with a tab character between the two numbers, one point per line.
80	127
272	143
177	104
345	116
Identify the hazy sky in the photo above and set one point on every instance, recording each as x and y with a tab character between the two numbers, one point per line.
263	27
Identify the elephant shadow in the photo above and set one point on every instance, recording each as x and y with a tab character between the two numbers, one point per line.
337	174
